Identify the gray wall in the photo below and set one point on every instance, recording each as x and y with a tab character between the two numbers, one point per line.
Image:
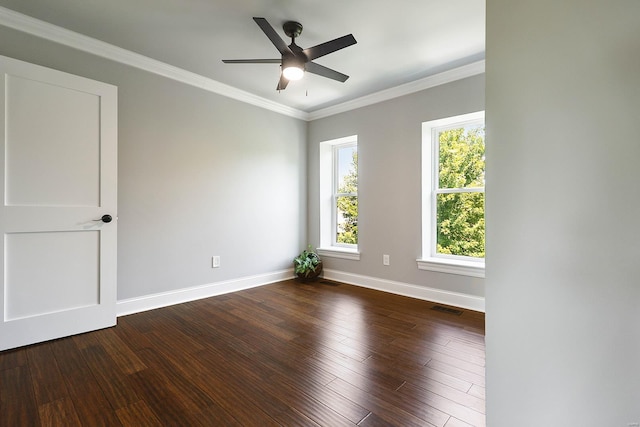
563	242
389	174
199	175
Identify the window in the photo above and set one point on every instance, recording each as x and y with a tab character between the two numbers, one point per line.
345	195
453	195
339	198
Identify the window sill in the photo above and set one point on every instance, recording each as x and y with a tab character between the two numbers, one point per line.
343	253
452	266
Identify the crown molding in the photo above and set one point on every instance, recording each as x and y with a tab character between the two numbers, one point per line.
54	33
448	76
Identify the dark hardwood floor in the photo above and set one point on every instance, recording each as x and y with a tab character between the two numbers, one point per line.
286	354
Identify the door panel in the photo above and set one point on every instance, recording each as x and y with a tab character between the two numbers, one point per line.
59	152
35	261
64	146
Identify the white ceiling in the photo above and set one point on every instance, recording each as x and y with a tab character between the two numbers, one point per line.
398	42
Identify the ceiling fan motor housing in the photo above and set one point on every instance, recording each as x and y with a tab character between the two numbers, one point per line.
292	29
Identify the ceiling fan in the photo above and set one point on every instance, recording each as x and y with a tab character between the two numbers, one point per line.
295	60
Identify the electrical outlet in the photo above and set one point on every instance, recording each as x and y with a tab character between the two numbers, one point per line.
215	261
385	259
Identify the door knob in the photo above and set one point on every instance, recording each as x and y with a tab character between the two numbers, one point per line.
105	218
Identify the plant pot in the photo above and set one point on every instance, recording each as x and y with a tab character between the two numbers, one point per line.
310	275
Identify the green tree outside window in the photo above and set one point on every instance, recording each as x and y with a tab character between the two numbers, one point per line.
460	193
347	205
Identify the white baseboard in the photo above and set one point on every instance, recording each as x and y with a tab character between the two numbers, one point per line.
165	299
471	302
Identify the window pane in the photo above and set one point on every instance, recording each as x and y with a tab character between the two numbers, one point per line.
346	213
460	224
347	159
347	220
461	157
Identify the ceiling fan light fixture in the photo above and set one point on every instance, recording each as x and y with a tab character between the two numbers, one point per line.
292	72
295	61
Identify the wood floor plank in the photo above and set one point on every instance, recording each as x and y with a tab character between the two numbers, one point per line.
382	408
455	361
285	354
415	388
90	403
86	340
48	383
177	317
18	405
167	334
324	395
418	373
217	416
457	372
428	349
422	403
60	413
257	320
215	326
115	385
142	321
474	348
119	352
350	374
181	387
279	395
128	333
477	391
372	420
290	351
342	351
13	358
474	416
286	357
226	395
138	414
454	422
381	375
392	351
162	399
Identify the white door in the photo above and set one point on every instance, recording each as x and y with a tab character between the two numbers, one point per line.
58	136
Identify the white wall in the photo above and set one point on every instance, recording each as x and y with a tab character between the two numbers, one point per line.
563	212
199	175
389	190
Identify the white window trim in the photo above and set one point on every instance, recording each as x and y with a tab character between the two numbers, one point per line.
328	172
431	261
452	266
338	252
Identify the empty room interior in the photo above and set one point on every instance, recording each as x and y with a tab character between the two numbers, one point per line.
467	172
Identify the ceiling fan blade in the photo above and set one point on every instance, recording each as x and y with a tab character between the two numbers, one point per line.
323	71
252	61
282	84
273	36
329	47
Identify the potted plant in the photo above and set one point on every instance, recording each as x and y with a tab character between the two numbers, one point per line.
308	264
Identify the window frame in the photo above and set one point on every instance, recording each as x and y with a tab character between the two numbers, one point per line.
329	181
431	260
